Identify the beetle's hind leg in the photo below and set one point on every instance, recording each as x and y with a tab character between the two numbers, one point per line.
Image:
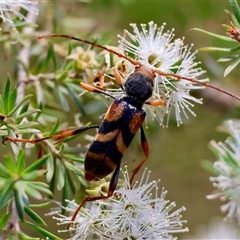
111	189
145	148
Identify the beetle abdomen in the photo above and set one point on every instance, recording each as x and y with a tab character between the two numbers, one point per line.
116	132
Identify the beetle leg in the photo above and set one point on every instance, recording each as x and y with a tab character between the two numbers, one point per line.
145	149
58	137
91	88
118	78
156	103
112	187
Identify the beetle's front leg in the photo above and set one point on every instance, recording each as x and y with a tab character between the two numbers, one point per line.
145	148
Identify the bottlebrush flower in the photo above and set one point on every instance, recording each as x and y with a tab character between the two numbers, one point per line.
227	168
156	49
216	229
11	8
137	212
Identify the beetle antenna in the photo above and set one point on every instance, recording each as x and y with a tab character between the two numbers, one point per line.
178	77
92	44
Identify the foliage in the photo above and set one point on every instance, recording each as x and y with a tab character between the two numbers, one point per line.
45	162
233	38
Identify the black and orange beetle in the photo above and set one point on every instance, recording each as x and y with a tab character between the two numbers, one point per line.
123	119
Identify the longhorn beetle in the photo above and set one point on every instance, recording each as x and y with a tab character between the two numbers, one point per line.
123	119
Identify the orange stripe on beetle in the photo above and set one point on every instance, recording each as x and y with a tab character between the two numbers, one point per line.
96	156
136	122
106	137
114	112
120	144
95	159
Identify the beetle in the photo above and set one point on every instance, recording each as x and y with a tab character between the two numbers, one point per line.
123	119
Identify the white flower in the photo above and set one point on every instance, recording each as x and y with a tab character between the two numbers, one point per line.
227	169
156	49
10	8
217	229
136	212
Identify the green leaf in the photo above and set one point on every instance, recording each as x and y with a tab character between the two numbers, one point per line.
23	236
55	128
5	195
232	66
24	108
10	163
29	130
74	158
46	61
41	186
218	36
27	125
40	93
225	59
231	161
6	95
71	184
61	98
233	19
4	220
42	231
61	179
20	164
62	76
37	164
70	48
68	63
80	194
41	205
3	132
175	67
29	112
34	216
235	49
51	57
208	166
112	59
66	191
1	105
235	9
5	172
50	168
21	199
74	169
54	58
40	66
215	49
39	113
53	179
24	100
76	100
33	175
12	99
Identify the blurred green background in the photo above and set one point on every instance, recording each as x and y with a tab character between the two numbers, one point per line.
176	153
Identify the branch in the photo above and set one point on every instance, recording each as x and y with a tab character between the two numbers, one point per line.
12	223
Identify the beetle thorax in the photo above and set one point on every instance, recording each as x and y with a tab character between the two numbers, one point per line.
139	86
